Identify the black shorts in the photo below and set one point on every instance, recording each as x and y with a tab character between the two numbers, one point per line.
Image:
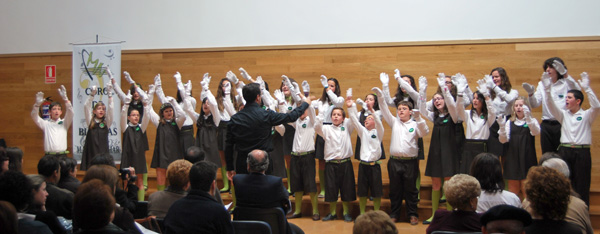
303	173
339	177
369	179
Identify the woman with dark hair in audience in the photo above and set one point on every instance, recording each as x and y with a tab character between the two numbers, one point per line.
3	161
16	189
110	176
37	206
8	218
548	192
15	158
93	208
462	192
68	171
487	170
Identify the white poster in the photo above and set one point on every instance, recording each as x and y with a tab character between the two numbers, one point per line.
89	69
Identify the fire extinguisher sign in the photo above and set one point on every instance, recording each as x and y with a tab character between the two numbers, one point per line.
50	74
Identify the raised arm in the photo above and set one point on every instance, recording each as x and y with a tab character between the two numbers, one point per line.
535	96
385	111
422	128
352	112
116	86
39	99
69	114
504	96
87	107
158	90
335	100
126	100
460	99
151	114
179	114
504	129
532	123
448	99
594	103
189	110
110	109
385	80
553	108
412	93
214	108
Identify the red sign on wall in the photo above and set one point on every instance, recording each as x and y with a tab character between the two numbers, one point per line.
50	74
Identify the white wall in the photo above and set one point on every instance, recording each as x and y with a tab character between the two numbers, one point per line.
32	26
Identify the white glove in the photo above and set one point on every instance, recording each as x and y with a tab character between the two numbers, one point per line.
157	81
526	112
422	84
204	85
127	98
404	84
397	75
377	91
489	81
279	96
128	77
441	79
546	80
206	78
416	114
483	88
261	82
324	81
501	120
245	74
296	93
288	83
384	78
39	98
232	77
227	87
146	99
188	88
584	81
362	103
94	91
530	89
63	93
109	89
560	68
460	86
109	73
349	92
305	87
177	77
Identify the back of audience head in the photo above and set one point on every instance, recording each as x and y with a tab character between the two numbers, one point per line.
558	165
505	219
548	155
487	170
548	191
178	174
203	175
105	173
49	167
93	205
15	158
462	192
374	222
8	218
194	154
3	161
15	188
103	159
67	166
38	190
258	161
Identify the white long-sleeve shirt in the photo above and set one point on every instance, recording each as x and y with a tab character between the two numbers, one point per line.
304	136
532	124
559	91
405	135
325	108
338	144
154	118
478	128
503	102
370	147
55	132
448	101
576	127
89	111
212	105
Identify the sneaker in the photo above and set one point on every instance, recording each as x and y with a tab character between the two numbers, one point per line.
316	217
347	218
414	220
330	217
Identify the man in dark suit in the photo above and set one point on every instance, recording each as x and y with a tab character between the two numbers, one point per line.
199	212
59	200
258	190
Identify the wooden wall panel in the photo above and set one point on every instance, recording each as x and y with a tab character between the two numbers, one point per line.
21	77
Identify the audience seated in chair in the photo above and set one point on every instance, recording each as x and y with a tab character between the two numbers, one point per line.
68	173
505	219
374	222
125	198
60	201
94	208
487	170
198	211
37	206
461	192
196	154
178	177
8	218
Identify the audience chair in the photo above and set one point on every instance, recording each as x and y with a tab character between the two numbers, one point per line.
251	227
141	210
275	217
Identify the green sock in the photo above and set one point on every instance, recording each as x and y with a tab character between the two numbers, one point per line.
419	186
160	187
376	203
288	180
314	203
141	193
435	202
345	205
448	206
145	179
442	191
298	202
362	204
224	179
332	206
322	181
233	199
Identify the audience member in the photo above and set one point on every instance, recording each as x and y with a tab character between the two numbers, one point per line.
8	218
259	190
548	192
94	208
109	175
37	206
461	192
125	198
15	158
196	154
3	161
199	212
60	201
505	219
68	173
374	222
548	155
486	168
178	177
16	189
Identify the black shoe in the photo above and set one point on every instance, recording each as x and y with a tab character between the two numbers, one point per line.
347	218
316	217
426	222
294	216
330	217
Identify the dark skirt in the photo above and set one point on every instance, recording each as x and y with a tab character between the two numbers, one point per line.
222	135
320	148
520	155
186	137
96	142
134	150
470	150
494	146
206	138
443	159
277	156
288	139
166	146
